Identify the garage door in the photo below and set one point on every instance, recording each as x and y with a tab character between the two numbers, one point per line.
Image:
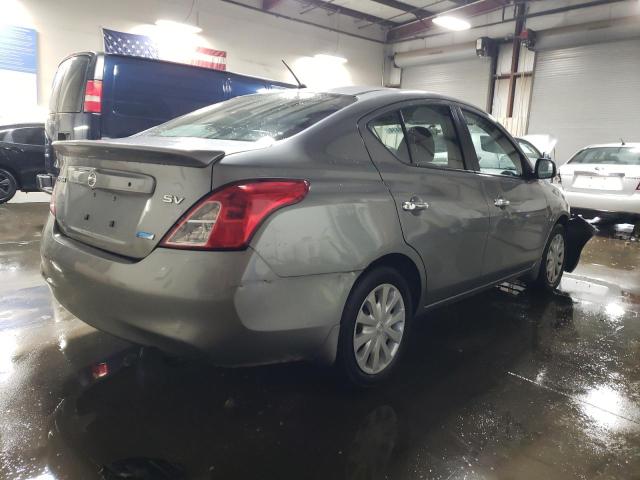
587	94
466	80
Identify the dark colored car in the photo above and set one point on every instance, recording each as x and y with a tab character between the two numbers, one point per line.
100	95
21	158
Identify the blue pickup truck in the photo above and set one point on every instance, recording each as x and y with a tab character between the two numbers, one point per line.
103	95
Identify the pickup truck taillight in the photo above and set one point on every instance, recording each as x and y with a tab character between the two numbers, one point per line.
227	218
93	96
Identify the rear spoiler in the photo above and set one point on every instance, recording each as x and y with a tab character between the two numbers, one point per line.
107	150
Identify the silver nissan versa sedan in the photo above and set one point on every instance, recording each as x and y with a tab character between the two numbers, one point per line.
300	225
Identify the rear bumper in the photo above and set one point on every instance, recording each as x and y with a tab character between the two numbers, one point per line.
227	305
605	206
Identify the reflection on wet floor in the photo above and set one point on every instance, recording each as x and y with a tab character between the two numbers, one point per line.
507	384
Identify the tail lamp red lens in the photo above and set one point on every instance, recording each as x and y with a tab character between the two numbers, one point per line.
93	96
228	218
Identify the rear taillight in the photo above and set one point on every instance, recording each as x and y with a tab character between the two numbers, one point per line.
93	96
228	218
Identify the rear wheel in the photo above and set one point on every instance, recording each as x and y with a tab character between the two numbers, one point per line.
553	257
8	186
374	327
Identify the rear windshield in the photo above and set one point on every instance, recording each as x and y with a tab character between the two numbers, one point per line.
270	116
68	85
608	156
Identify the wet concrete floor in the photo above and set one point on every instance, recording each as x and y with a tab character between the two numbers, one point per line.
505	385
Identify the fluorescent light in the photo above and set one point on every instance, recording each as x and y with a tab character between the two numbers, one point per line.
329	58
452	23
177	26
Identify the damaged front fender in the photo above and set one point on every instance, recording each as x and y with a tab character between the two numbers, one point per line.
579	232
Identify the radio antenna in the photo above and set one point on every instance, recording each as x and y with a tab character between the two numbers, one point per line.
300	84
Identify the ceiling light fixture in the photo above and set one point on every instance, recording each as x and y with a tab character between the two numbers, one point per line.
177	26
452	23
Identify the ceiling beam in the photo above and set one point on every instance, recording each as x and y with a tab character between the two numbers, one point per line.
405	7
349	12
469	9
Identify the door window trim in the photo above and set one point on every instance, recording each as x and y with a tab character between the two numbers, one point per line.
397	107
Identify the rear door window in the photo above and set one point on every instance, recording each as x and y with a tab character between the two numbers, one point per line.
608	156
431	137
420	135
28	136
68	85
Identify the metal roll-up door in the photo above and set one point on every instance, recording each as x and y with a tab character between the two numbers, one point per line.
587	94
466	80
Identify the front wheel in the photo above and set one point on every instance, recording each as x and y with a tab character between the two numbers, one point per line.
8	186
374	327
553	258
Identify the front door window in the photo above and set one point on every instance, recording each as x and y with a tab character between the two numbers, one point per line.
497	155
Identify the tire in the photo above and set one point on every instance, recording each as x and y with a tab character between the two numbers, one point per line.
8	185
369	335
549	278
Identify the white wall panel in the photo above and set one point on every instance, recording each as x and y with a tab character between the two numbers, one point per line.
587	94
255	42
466	80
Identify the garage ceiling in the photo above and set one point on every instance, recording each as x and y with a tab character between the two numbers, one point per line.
398	19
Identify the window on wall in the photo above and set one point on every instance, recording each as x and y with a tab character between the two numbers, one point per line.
497	155
426	139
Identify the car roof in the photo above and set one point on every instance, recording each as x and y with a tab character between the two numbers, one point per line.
618	144
22	125
391	95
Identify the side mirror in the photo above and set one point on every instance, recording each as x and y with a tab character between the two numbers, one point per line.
545	169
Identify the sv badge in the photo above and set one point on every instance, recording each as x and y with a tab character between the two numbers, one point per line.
172	199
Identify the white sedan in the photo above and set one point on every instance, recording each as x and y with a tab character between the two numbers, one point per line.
604	181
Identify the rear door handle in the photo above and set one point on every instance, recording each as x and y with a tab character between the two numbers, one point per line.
501	202
414	205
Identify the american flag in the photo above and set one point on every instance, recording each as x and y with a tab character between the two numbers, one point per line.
129	44
142	46
209	58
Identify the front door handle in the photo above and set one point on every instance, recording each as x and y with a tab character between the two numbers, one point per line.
414	205
501	202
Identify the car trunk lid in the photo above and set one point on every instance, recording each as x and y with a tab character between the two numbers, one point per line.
122	196
598	178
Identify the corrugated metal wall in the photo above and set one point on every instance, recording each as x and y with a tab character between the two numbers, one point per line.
466	80
587	94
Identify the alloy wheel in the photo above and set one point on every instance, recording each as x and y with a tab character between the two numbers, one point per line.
555	258
6	186
379	328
